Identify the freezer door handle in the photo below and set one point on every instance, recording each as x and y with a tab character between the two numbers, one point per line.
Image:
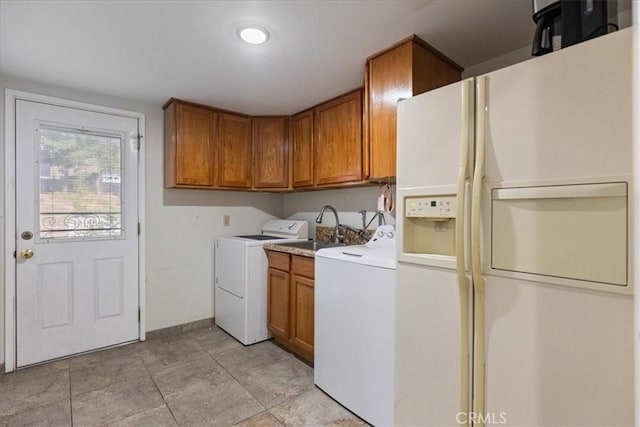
476	264
463	289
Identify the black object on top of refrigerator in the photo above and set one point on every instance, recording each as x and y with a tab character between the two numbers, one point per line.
562	23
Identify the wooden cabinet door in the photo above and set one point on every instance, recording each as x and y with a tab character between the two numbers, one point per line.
302	149
338	140
278	303
302	314
190	143
270	143
234	151
390	79
405	70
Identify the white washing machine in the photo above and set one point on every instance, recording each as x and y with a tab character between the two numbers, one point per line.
354	325
241	278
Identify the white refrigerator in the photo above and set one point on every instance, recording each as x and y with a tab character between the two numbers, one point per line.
513	299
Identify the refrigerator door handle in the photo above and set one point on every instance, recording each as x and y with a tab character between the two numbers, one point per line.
476	265
575	191
463	290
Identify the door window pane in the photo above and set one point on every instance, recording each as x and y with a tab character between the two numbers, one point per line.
80	184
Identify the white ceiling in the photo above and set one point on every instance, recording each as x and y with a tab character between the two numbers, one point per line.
153	50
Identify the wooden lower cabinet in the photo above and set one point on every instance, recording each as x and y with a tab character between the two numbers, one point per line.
301	313
290	302
278	303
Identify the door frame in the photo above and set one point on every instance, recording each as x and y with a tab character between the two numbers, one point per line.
8	209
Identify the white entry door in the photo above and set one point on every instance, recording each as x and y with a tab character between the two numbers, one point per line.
76	231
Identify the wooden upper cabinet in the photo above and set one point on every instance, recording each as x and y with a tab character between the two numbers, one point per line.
331	145
338	140
302	149
234	151
404	70
190	145
270	140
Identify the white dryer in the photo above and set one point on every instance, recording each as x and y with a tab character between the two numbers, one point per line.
241	278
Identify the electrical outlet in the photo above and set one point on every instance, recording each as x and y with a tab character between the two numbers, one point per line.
226	220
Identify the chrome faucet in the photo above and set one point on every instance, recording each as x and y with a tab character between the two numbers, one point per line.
336	232
381	218
363	216
378	214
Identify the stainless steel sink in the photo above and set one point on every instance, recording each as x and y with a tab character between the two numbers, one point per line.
312	245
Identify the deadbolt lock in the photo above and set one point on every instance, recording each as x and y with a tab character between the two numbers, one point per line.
26	235
26	254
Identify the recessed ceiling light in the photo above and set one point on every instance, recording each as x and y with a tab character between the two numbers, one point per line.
254	35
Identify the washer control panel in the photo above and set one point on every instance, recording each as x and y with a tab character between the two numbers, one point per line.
383	237
430	207
287	228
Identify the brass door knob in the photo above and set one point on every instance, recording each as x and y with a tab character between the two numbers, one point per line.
26	254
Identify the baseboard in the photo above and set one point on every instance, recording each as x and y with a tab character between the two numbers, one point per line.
179	329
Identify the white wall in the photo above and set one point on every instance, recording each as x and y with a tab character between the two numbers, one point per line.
181	225
524	53
347	202
502	61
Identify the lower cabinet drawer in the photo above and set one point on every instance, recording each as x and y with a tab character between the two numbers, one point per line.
302	266
278	260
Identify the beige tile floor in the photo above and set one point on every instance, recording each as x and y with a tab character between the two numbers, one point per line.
202	377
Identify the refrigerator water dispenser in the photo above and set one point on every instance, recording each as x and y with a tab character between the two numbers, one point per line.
429	225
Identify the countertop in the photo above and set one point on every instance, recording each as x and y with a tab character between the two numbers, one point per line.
323	234
309	253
